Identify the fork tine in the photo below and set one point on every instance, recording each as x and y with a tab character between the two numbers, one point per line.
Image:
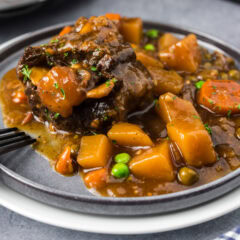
7	130
11	135
13	140
15	146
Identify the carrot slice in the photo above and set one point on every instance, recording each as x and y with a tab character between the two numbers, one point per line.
96	179
64	164
220	96
65	30
113	16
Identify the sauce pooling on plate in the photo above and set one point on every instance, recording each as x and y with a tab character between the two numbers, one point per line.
136	113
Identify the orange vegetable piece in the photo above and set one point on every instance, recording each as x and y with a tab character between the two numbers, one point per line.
183	55
147	60
113	16
65	30
96	179
37	73
186	129
155	163
220	96
131	29
28	118
60	90
64	164
95	151
128	134
102	90
19	97
166	40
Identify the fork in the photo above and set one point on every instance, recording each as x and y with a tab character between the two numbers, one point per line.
11	139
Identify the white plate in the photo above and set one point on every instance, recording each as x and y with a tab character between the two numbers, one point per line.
117	225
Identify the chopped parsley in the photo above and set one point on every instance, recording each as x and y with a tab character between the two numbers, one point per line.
114	80
74	61
153	33
26	72
210	101
108	83
63	93
105	118
196	117
199	84
149	47
65	54
214	87
229	113
56	115
94	69
239	106
174	97
208	128
54	41
56	85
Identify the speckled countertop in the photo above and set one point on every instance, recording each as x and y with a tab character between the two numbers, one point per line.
217	17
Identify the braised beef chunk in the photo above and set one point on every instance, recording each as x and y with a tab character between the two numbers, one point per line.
95	46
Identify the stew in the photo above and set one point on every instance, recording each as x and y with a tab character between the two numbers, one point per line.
136	112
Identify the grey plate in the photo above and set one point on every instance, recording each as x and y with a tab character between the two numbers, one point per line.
29	173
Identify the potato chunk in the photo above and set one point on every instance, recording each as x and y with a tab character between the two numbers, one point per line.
147	60
186	129
165	81
127	134
155	163
95	151
131	29
183	55
166	40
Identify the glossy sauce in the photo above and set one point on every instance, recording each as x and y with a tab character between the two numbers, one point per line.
52	142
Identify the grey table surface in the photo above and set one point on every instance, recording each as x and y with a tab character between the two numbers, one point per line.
217	17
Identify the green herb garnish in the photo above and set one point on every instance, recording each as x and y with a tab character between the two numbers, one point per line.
149	47
26	72
210	101
114	80
56	115
105	118
56	85
93	133
208	128
199	84
229	113
239	106
94	69
108	83
74	61
54	41
196	117
153	33
65	54
63	93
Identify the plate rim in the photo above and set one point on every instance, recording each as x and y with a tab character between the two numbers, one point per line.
41	212
33	36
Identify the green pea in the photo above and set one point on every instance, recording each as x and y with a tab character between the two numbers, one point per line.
120	170
122	158
149	47
153	33
187	176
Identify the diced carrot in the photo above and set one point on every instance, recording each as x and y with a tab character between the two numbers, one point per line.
65	30
113	16
96	179
64	164
19	97
28	118
102	90
220	96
